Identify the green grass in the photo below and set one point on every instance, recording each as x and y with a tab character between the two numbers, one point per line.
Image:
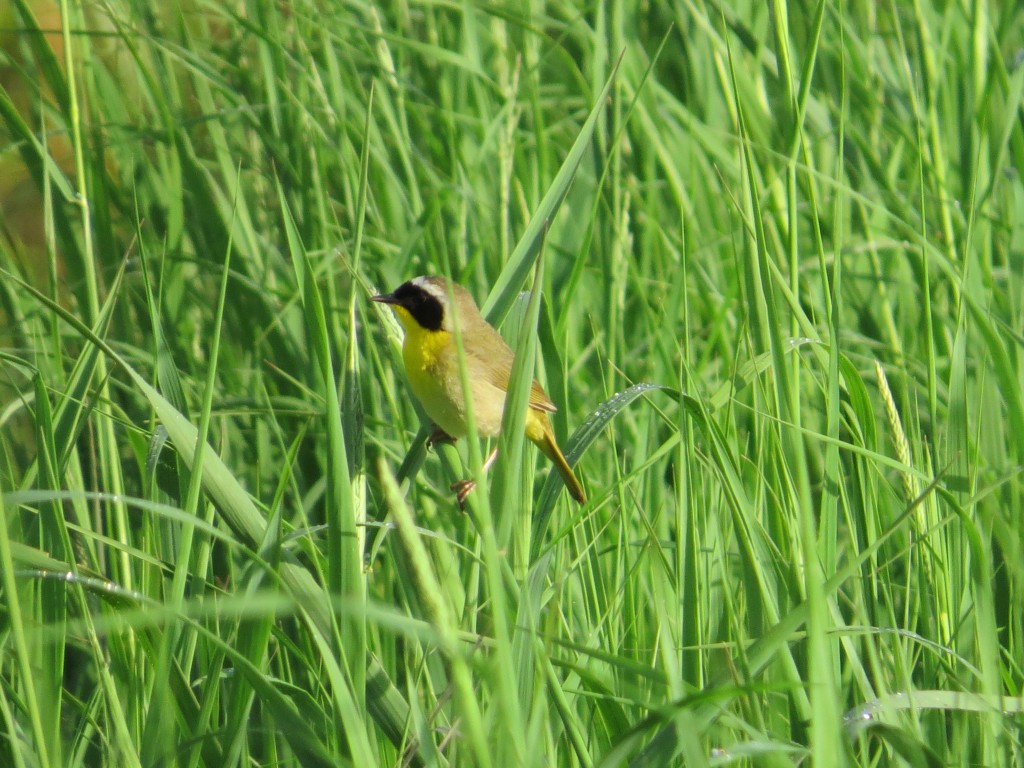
780	258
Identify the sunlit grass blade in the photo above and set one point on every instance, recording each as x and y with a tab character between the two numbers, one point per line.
506	486
519	263
586	434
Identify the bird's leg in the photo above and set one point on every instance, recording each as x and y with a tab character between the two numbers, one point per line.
438	435
464	487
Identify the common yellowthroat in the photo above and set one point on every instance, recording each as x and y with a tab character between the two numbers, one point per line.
430	308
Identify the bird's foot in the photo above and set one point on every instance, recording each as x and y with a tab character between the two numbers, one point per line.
464	487
462	490
439	436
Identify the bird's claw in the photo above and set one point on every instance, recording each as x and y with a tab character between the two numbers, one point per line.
439	436
462	490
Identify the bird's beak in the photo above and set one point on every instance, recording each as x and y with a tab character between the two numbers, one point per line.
385	298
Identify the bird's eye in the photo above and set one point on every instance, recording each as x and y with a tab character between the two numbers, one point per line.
408	294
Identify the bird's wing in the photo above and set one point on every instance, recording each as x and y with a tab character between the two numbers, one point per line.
498	370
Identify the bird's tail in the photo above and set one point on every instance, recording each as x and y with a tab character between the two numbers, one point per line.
550	448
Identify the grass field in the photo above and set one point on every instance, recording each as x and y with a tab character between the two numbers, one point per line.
779	251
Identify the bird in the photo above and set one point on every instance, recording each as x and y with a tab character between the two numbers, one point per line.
429	309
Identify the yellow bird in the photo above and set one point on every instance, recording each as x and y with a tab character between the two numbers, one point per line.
424	307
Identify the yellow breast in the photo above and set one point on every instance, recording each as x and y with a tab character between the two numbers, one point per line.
432	368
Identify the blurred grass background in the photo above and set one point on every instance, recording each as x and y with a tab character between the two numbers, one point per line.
224	541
